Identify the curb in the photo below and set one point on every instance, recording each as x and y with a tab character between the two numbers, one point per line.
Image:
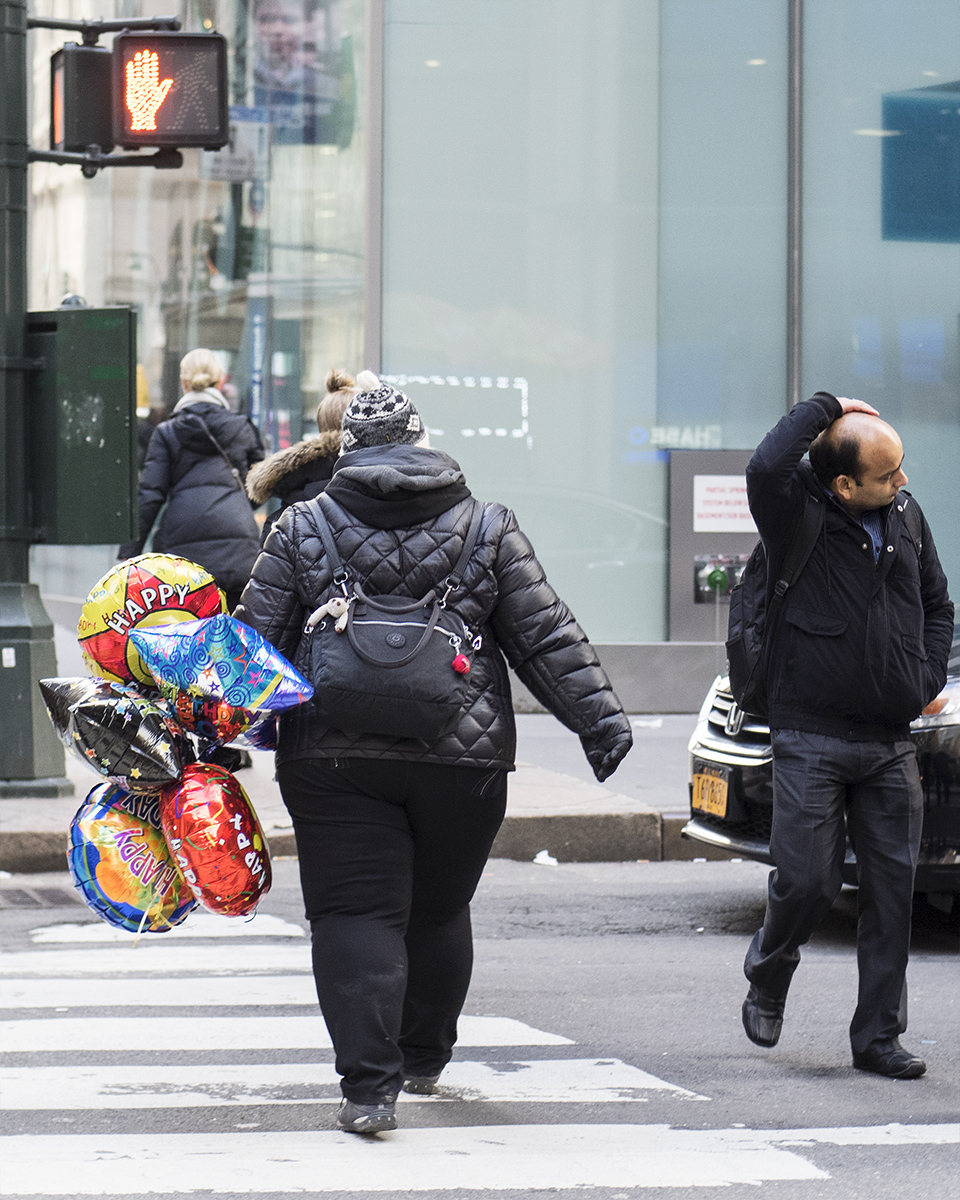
595	837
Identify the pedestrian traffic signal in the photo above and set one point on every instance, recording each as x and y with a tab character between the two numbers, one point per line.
80	88
170	89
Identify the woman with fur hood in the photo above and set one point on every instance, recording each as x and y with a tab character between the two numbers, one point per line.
303	471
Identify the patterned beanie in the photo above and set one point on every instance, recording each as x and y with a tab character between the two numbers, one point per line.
380	415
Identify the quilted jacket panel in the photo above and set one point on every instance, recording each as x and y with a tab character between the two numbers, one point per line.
505	597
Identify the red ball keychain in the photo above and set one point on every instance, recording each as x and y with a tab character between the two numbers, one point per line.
461	664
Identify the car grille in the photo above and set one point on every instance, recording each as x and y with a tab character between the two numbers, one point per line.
727	723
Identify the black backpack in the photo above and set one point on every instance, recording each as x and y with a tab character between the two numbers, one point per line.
756	603
390	665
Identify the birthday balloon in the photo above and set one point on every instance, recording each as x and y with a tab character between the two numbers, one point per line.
118	732
261	735
120	863
154	589
220	658
216	840
212	720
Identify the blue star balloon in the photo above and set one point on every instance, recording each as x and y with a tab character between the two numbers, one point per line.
220	658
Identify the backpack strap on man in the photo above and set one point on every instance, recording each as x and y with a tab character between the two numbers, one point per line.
913	522
801	547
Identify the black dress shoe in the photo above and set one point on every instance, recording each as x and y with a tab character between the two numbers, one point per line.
892	1060
762	1014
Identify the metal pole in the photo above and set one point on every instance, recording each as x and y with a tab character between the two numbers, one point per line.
31	758
794	202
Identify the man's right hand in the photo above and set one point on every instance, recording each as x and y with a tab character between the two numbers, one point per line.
849	405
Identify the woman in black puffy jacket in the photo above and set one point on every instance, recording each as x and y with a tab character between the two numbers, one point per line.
393	833
197	462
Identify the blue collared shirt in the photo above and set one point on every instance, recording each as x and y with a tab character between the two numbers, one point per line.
872	522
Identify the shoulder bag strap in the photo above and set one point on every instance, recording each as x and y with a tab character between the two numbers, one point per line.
223	454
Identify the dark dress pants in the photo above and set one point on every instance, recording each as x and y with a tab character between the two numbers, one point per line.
391	853
818	780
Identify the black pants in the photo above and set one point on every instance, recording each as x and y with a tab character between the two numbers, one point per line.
817	781
390	855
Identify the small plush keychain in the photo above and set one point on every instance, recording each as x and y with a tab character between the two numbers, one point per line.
461	664
336	608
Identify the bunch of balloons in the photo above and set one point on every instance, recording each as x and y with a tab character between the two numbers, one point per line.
173	678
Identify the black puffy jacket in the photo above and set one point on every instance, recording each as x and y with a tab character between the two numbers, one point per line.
208	518
861	646
399	515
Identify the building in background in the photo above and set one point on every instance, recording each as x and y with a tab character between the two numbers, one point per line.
572	231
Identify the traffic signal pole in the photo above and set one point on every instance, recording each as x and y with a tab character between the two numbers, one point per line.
31	758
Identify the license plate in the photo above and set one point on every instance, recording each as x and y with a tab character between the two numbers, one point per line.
710	787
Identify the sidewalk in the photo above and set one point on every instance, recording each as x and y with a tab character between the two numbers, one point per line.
554	803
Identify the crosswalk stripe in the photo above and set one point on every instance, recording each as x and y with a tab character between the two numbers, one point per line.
197	925
197	992
496	1157
228	1033
157	956
564	1081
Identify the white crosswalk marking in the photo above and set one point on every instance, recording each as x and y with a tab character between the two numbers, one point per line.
120	1066
228	1033
575	1080
197	925
496	1157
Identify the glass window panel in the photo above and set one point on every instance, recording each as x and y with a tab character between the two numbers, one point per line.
723	254
882	229
520	276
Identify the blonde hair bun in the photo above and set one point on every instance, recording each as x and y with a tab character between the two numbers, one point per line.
201	369
338	379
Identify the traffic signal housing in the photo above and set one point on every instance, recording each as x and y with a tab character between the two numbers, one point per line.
81	112
170	89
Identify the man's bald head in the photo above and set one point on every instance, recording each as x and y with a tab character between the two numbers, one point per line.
858	458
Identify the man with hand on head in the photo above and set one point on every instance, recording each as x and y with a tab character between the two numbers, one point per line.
859	650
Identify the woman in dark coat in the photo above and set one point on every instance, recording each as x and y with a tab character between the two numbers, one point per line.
393	833
302	471
197	462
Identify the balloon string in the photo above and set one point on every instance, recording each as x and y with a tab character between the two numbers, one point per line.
143	921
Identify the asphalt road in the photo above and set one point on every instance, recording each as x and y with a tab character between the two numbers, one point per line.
603	1056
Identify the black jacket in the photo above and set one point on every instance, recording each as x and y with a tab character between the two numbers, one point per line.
297	473
208	518
861	646
399	515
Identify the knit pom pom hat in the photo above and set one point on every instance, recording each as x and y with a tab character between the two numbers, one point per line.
379	415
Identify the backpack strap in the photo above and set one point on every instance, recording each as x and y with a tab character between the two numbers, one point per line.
455	578
913	521
799	551
453	581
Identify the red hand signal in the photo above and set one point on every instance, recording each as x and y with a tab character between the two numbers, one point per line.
145	91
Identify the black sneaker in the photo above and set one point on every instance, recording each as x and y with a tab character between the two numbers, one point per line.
421	1085
367	1118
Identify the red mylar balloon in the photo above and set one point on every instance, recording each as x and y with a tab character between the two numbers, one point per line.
216	839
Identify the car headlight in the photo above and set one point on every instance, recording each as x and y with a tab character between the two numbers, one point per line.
944	710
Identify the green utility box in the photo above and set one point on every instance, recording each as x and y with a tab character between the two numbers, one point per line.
82	425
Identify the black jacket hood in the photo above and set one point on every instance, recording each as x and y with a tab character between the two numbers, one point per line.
397	486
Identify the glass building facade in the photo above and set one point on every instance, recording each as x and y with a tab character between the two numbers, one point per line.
579	233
